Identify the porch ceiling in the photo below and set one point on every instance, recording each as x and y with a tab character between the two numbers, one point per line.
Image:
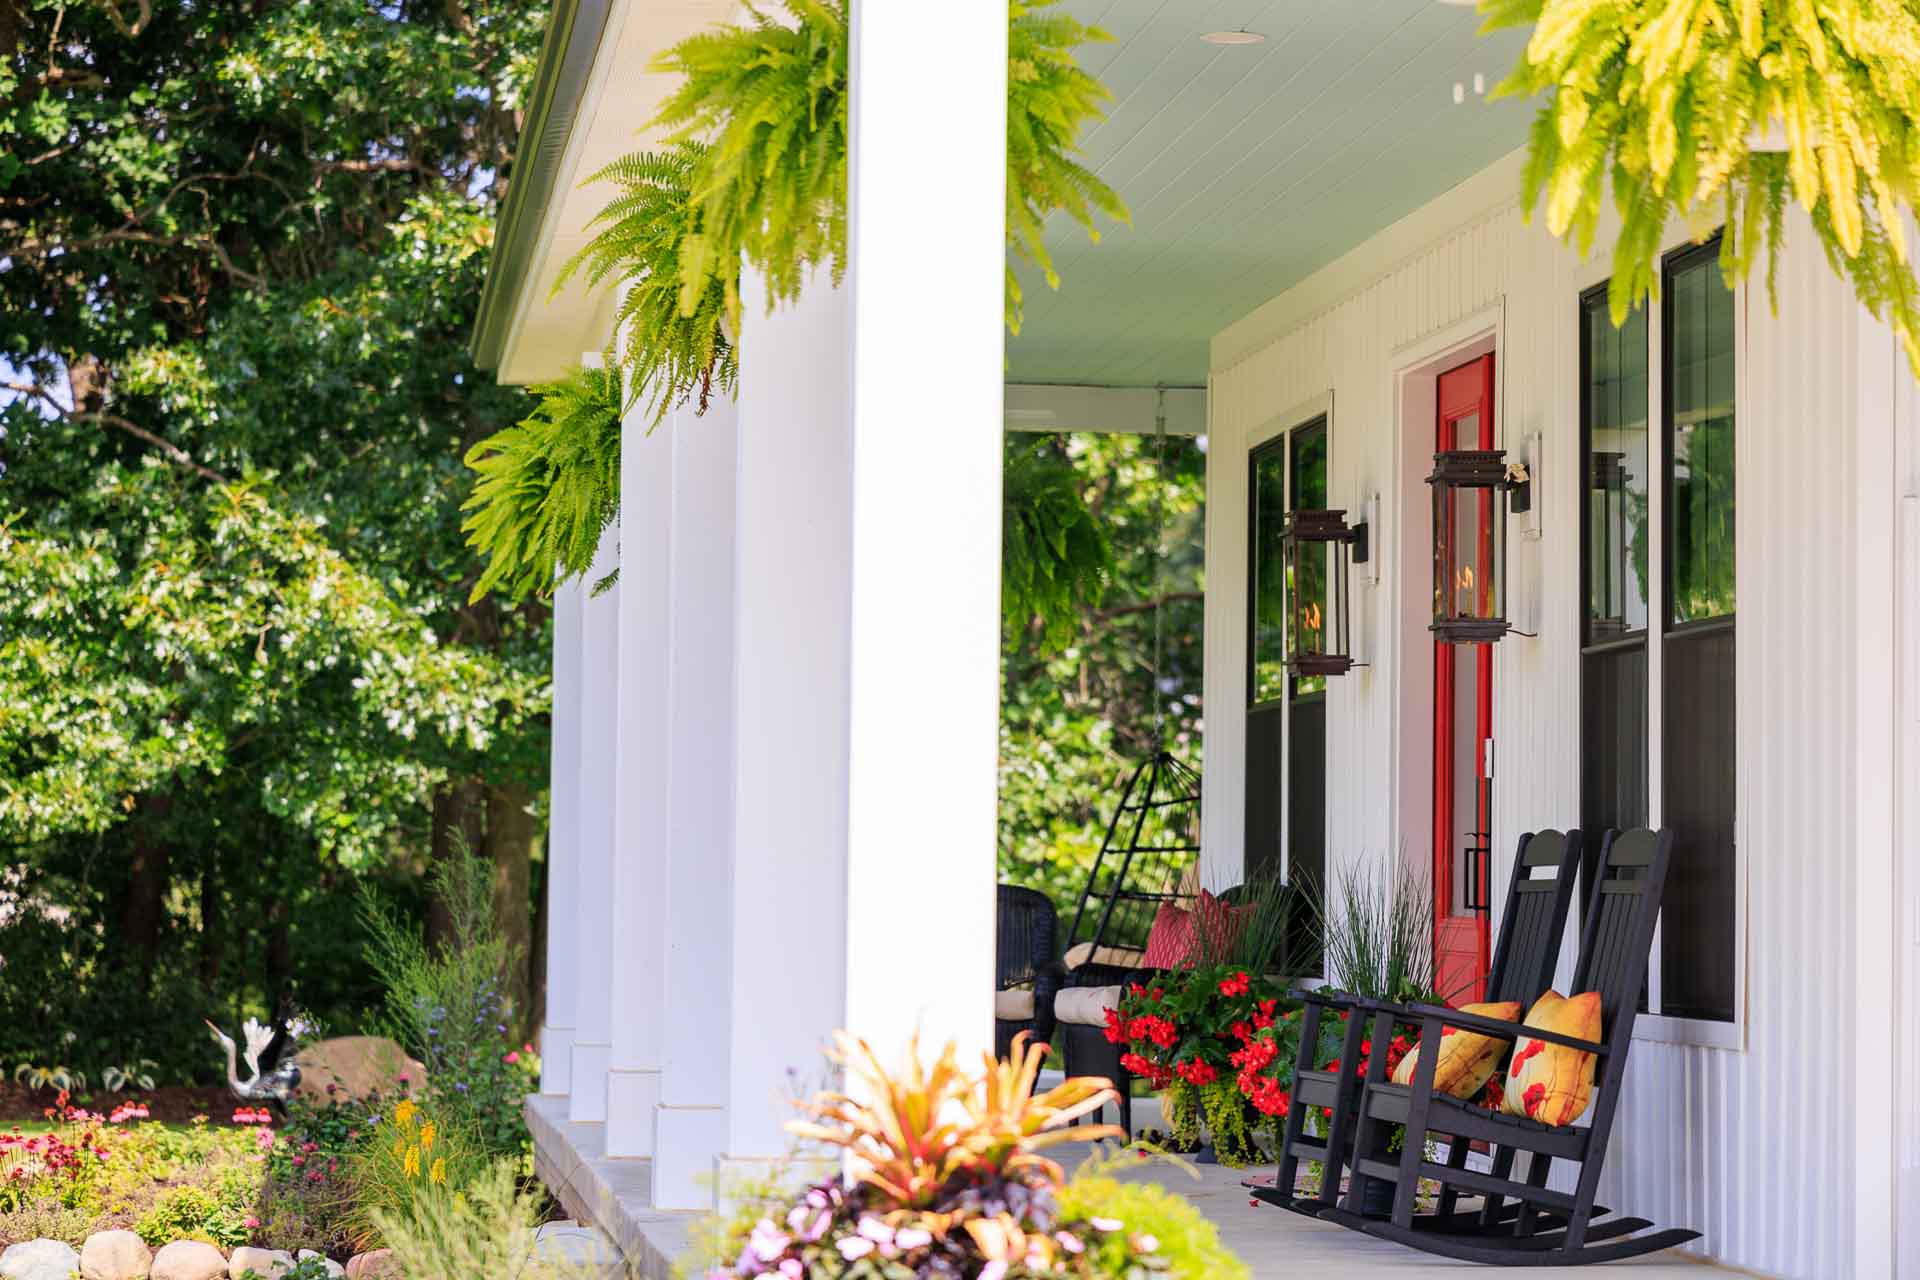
1249	167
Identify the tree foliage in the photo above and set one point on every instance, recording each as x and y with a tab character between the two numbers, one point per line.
1664	101
243	248
1056	559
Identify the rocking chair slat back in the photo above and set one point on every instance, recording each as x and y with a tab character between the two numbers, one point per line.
1618	939
1535	917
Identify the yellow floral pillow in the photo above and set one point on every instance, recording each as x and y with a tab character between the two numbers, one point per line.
1467	1058
1553	1083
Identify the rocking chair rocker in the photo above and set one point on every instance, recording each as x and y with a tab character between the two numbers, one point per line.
1531	924
1543	1227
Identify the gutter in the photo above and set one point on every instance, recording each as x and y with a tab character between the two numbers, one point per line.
567	53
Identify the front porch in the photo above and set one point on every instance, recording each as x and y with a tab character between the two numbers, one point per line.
616	1196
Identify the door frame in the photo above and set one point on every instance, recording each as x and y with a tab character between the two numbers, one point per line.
1459	923
1406	545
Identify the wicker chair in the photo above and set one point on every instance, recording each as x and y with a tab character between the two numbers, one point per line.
1028	971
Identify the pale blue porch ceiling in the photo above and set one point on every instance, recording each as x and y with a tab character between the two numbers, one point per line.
1249	167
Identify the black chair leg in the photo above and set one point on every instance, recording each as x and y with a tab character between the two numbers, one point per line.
1502	1169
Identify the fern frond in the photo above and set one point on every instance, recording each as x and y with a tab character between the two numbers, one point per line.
548	487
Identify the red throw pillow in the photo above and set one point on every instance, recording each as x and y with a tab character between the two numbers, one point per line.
1170	939
1219	927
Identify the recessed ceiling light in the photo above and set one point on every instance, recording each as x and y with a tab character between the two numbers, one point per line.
1234	37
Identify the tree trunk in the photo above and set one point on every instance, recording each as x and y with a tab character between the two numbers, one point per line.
279	964
458	812
212	928
144	907
510	837
537	958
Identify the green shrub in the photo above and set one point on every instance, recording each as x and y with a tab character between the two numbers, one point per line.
449	1006
1188	1243
191	1213
486	1230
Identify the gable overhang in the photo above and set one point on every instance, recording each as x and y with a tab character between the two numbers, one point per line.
592	96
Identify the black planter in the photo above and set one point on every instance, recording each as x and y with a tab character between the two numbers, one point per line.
1376	1198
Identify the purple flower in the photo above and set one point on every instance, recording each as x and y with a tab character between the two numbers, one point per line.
766	1243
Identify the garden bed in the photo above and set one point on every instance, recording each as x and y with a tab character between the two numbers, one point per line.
169	1104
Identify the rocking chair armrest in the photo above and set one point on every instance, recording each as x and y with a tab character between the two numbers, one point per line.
1497	1027
1330	999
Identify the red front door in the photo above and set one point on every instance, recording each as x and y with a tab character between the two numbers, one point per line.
1463	728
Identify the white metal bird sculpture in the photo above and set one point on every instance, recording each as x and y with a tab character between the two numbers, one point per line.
274	1072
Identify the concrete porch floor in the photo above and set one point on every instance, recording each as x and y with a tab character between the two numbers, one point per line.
613	1195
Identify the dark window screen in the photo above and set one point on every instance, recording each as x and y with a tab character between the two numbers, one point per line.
1698	943
1264	764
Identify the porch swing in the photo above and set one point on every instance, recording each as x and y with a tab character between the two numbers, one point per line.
1149	858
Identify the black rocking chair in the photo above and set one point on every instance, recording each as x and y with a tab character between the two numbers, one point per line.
1542	1227
1028	972
1531	925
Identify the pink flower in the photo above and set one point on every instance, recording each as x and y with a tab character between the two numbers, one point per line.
853	1248
250	1222
298	1161
513	1056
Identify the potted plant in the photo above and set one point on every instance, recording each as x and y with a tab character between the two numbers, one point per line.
954	1182
1183	1028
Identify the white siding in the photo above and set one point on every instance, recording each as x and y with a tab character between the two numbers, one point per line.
1753	1146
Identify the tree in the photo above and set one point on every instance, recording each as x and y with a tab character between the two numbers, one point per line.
244	244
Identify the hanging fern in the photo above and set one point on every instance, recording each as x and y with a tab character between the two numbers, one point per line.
548	487
755	172
770	99
669	343
1055	559
1049	100
1663	99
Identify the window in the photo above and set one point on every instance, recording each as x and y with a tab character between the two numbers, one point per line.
1286	715
1697	958
1689	624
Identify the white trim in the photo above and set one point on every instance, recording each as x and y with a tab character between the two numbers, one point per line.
1104	410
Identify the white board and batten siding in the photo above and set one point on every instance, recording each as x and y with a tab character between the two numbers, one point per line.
1755	1141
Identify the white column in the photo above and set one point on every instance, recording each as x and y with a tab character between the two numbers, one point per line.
928	357
563	846
691	1121
792	600
868	604
593	923
638	887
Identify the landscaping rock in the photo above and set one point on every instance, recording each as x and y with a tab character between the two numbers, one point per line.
581	1251
114	1255
333	1268
356	1067
189	1260
39	1260
265	1263
379	1264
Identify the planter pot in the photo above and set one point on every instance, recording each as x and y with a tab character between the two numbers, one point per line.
1376	1199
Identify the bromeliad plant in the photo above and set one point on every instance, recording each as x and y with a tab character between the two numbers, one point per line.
1704	110
754	174
954	1181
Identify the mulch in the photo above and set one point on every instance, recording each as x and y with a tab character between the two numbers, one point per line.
172	1104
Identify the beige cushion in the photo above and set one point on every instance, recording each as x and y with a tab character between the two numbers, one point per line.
1013	1006
1117	957
1086	1006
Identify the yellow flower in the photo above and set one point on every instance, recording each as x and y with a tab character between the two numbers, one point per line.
426	1136
399	1147
439	1174
412	1163
405	1111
